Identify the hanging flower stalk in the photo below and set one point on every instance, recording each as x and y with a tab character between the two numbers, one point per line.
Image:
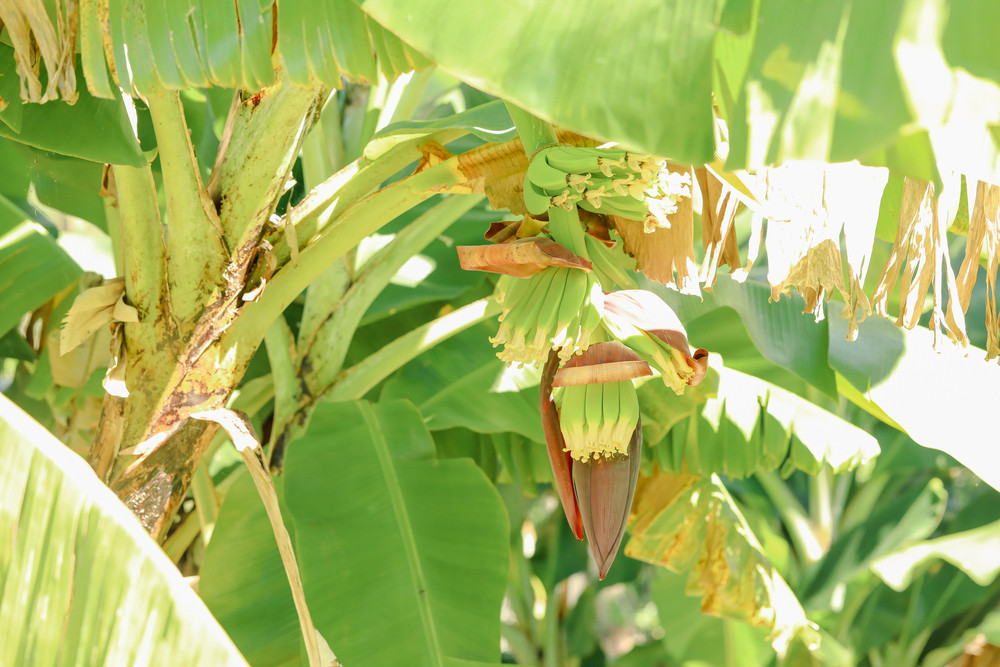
556	313
593	435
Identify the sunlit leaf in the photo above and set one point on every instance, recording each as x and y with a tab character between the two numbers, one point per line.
942	398
498	47
747	425
464	384
80	575
976	552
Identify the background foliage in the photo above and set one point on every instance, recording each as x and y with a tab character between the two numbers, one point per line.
267	178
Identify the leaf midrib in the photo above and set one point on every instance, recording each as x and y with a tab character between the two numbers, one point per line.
405	528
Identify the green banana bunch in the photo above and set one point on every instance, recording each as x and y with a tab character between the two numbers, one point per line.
597	420
604	180
557	308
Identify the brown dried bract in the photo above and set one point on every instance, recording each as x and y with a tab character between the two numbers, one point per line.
602	362
662	252
521	258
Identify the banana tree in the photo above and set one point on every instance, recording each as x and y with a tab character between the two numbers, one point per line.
292	201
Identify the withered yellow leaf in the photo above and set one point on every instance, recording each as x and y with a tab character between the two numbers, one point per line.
689	523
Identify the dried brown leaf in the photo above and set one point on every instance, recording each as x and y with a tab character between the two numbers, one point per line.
37	41
93	309
664	251
689	523
810	205
719	206
521	258
920	251
984	239
802	243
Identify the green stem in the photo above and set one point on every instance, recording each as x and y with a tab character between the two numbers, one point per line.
323	149
566	229
338	237
863	502
182	537
402	97
259	145
536	134
821	505
115	233
205	501
328	347
359	379
794	516
195	249
344	189
287	388
141	240
552	630
521	646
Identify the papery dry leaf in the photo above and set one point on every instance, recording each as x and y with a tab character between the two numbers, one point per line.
689	523
661	252
920	251
497	170
853	196
93	309
810	205
802	243
521	258
978	653
74	368
719	206
37	41
984	238
114	379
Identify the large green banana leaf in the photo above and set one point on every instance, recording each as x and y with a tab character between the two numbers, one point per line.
33	268
905	83
403	557
942	398
736	424
81	583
